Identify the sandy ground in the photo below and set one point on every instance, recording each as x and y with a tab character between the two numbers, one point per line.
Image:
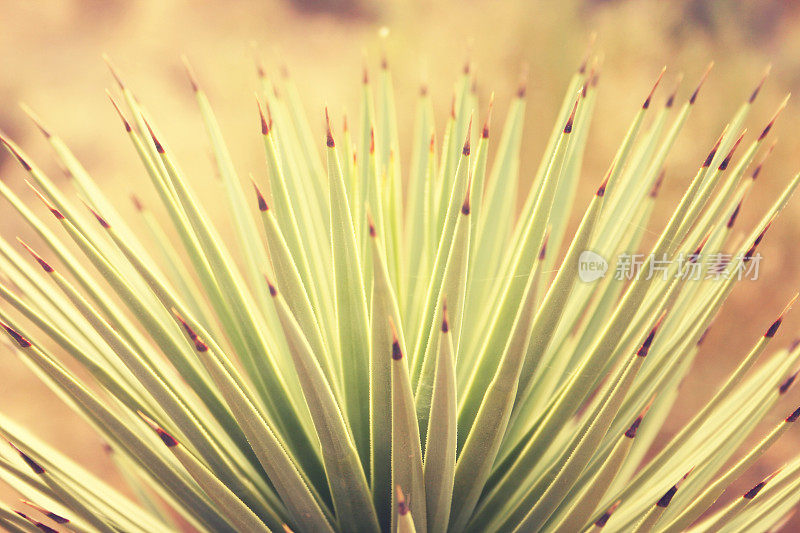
50	58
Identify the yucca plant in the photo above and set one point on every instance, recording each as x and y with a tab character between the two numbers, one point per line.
396	347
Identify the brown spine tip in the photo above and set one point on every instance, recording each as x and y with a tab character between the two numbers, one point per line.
703	336
445	323
36	120
587	54
36	467
137	203
775	116
671	98
522	87
694	257
727	160
119	112
16	153
787	383
190	73
601	190
264	123
792	417
543	249
755	92
45	266
371	140
603	520
156	142
272	290
330	142
189	331
571	119
103	222
56	213
14	334
773	329
262	203
649	98
166	438
49	514
733	216
371	225
648	341
693	98
402	505
466	149
713	151
485	132
657	185
757	170
667	497
752	493
365	76
397	351
423	90
631	432
114	71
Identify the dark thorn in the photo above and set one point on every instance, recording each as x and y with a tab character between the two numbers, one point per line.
371	225
760	84
466	149
190	73
485	132
646	103
445	324
645	347
51	207
667	497
571	119
601	191
397	352
671	98
16	153
699	249
727	160
735	214
36	467
262	203
703	336
773	329
330	142
119	112
787	384
272	290
465	206
137	203
657	185
543	249
760	164
103	222
752	493
36	120
713	151
159	147
45	266
166	438
402	506
264	124
522	88
606	515
699	85
631	433
792	417
49	514
771	123
114	71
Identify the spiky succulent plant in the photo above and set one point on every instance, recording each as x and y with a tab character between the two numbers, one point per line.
396	349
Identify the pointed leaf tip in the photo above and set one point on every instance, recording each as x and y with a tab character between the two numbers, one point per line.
760	84
788	382
35	466
16	153
713	151
752	493
603	520
329	140
773	329
125	122
156	142
262	202
727	160
16	335
775	116
445	323
397	351
114	71
649	98
402	505
35	119
734	215
166	438
693	98
190	73
466	149
571	119
265	125
645	347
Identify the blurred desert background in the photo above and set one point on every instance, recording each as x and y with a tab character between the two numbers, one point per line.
50	58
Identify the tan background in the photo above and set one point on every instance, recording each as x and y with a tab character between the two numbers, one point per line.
50	58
